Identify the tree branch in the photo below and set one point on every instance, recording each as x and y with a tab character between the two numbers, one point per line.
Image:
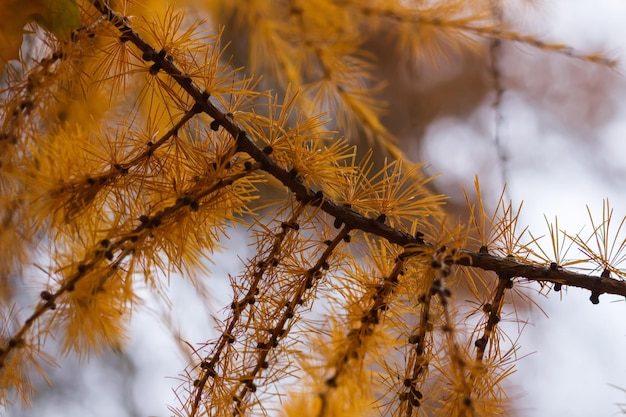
354	220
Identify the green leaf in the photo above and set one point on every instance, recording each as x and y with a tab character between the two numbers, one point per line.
61	16
58	16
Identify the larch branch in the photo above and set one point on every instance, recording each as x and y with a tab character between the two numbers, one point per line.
502	266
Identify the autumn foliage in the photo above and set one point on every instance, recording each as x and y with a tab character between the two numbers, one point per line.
133	143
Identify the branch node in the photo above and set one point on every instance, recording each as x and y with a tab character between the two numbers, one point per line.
149	55
215	125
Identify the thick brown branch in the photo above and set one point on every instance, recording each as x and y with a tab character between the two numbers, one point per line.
502	266
535	272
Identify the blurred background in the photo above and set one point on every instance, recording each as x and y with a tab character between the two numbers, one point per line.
561	147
